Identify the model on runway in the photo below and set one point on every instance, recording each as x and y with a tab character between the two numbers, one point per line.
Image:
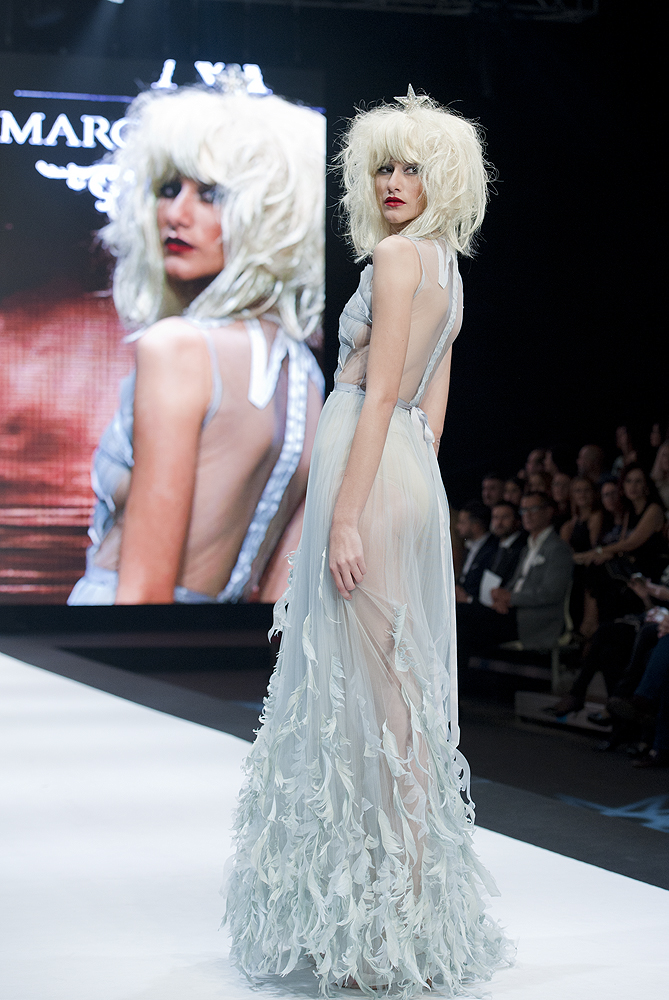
354	826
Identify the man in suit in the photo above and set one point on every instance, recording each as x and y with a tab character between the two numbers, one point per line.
505	525
492	489
531	607
481	545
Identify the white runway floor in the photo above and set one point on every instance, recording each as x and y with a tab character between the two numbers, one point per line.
113	835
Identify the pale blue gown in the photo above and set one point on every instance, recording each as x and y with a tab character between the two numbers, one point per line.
353	832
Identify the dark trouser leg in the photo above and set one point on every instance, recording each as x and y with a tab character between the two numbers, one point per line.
655	687
480	629
609	652
644	644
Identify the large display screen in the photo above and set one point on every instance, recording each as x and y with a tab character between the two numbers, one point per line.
78	520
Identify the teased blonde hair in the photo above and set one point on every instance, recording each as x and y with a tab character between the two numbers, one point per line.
448	151
267	159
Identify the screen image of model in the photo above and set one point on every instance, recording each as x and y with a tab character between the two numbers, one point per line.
161	298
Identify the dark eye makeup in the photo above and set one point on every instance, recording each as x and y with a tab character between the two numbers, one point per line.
409	168
170	189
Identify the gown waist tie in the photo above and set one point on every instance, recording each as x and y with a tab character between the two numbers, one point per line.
418	416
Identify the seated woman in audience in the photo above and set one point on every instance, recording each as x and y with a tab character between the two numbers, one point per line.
638	550
513	490
581	532
612	511
660	472
560	486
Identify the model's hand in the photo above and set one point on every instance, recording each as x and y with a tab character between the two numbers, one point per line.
599	558
584	558
461	595
347	559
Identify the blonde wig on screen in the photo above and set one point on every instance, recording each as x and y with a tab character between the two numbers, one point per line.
448	151
267	160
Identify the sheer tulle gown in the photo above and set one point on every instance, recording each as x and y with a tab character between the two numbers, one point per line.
353	832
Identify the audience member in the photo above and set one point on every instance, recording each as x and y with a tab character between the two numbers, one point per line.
492	489
505	525
590	462
638	550
612	510
473	528
660	472
560	493
582	530
581	533
625	446
513	490
652	695
534	463
532	608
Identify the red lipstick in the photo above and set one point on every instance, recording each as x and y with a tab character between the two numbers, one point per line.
393	202
174	245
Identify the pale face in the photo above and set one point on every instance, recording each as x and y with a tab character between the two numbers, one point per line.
400	194
189	224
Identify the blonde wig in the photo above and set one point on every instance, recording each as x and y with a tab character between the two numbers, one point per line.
267	160
446	148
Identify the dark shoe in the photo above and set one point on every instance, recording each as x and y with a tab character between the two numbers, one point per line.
600	718
655	758
564	706
635	709
639	750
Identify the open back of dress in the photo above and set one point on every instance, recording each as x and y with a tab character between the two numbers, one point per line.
354	849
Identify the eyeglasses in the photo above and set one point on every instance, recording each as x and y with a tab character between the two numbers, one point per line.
530	510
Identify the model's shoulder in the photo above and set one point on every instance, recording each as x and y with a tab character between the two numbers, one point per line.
169	334
395	248
177	335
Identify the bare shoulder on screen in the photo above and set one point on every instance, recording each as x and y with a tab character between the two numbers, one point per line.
172	338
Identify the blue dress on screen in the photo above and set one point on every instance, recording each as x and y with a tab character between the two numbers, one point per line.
113	460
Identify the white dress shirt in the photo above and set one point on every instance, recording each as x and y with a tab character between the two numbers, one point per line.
472	547
533	547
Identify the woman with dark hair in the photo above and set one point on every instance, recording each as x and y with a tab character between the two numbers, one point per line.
581	532
638	550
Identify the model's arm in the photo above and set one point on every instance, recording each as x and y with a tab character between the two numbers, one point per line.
171	397
396	277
